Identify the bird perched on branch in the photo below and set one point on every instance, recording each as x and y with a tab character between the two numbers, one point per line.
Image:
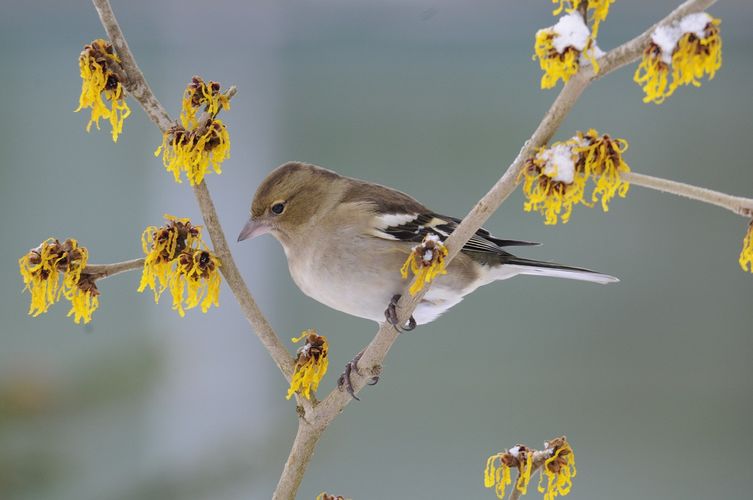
346	241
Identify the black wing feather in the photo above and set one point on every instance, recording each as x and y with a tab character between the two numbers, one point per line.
416	229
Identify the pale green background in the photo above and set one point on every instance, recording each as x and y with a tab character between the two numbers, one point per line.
651	379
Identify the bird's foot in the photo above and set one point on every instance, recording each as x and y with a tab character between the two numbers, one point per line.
391	315
347	383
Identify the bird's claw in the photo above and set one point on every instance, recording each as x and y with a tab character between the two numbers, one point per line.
390	315
345	381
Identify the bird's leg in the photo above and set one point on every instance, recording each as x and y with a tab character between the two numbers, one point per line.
391	315
344	380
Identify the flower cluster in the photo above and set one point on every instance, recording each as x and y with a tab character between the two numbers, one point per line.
198	95
599	8
41	268
555	179
426	261
310	364
194	145
96	64
497	470
690	47
746	255
177	259
562	48
558	469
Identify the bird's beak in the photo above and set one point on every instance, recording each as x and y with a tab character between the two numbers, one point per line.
252	229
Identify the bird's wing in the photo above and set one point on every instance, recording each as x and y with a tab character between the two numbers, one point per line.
414	227
397	216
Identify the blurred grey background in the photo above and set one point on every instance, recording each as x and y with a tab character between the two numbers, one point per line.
651	379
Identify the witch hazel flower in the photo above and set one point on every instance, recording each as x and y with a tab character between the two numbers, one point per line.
562	49
680	53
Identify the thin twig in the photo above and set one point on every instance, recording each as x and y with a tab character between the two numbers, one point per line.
737	204
100	271
139	89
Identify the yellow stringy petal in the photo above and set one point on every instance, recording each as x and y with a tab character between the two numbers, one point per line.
311	364
555	66
746	255
497	474
652	75
602	161
97	79
695	57
558	471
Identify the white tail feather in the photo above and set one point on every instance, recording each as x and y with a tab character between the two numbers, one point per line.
510	270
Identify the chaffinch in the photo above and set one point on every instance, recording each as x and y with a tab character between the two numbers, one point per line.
346	240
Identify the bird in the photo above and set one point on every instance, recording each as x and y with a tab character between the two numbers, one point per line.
346	239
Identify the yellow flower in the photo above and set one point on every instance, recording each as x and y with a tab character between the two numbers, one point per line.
192	151
198	273
746	255
556	178
96	64
552	184
690	47
177	259
200	94
602	161
426	261
310	364
193	146
562	48
84	299
559	469
497	470
41	269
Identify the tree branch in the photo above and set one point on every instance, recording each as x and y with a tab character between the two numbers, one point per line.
737	204
99	271
139	89
298	460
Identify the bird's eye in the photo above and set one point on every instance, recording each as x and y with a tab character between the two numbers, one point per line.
278	208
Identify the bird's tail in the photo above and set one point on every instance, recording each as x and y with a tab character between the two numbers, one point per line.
517	265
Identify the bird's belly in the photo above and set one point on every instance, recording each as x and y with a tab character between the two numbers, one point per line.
368	296
363	294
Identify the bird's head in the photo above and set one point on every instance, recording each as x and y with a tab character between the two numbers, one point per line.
287	199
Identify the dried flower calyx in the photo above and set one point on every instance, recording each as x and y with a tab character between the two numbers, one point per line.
193	146
41	268
426	262
311	364
100	69
177	259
